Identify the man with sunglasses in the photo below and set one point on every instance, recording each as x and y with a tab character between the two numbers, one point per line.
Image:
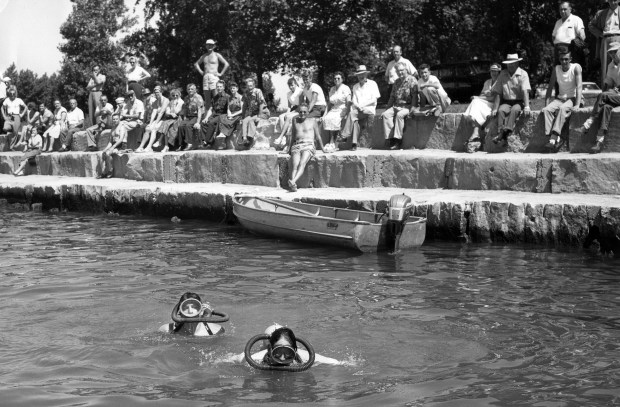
567	77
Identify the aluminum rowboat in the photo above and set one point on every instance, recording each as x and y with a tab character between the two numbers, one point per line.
360	230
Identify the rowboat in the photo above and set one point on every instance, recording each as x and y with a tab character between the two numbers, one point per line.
360	230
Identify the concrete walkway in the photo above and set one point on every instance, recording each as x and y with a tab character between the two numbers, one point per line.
503	216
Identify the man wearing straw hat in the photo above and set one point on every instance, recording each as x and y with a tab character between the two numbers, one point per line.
210	74
605	26
363	107
607	100
512	91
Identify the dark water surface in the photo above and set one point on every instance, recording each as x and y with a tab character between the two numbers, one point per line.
81	298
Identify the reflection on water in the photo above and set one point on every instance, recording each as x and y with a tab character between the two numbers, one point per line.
82	297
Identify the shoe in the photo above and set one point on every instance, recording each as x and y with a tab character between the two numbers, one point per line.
109	175
353	147
62	149
92	148
558	145
597	148
292	186
156	144
396	145
188	147
148	150
387	144
139	150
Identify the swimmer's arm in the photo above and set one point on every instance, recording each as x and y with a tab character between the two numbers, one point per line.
165	328
318	359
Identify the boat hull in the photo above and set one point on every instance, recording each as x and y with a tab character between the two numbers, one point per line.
359	230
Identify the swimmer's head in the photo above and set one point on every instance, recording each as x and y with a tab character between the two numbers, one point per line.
190	304
283	346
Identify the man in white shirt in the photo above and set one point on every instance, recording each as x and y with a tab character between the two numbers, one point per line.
103	120
363	109
568	31
94	88
4	83
75	123
391	75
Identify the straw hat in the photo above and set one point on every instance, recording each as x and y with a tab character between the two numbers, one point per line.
512	58
361	69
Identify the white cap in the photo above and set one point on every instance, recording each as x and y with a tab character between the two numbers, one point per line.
6	79
271	328
210	42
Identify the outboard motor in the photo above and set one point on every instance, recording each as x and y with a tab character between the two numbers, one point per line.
399	209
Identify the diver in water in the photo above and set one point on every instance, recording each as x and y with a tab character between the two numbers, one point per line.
193	317
281	352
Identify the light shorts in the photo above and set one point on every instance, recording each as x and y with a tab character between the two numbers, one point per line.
305	146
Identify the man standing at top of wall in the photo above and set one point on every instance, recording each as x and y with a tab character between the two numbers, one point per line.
391	74
210	71
605	26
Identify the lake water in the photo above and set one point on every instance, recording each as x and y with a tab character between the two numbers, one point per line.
82	297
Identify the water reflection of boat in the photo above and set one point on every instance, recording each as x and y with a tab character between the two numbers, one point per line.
361	230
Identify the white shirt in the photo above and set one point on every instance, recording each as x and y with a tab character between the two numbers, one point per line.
136	75
391	69
566	31
75	116
13	106
320	96
612	79
433	80
2	89
366	96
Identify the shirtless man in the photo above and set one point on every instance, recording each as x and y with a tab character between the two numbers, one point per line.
210	74
305	132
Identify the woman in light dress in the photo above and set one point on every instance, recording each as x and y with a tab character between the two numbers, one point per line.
169	123
60	123
339	100
480	109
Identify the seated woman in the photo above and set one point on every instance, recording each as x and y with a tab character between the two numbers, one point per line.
279	351
191	306
53	132
31	150
293	97
339	100
480	109
32	118
170	122
230	121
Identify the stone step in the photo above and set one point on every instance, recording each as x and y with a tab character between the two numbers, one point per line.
499	216
417	169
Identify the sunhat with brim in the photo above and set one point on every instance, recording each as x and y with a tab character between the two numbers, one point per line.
120	100
361	69
512	58
495	67
210	42
614	46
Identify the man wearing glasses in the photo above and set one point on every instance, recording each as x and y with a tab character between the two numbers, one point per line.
567	76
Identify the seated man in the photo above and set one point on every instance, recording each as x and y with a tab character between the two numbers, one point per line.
75	123
512	89
567	76
13	111
191	115
103	116
46	118
304	133
606	101
158	105
254	109
363	107
118	142
219	109
432	94
403	100
131	114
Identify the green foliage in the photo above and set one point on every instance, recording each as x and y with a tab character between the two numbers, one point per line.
89	34
31	87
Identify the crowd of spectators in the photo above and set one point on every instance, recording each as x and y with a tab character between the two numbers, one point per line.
166	121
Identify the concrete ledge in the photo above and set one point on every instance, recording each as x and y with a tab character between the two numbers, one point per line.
417	169
482	216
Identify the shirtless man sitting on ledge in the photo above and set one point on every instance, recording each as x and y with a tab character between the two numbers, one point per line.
305	131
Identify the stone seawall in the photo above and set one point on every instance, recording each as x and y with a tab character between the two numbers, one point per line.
479	216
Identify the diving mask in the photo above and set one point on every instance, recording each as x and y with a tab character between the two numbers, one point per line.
192	308
283	354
